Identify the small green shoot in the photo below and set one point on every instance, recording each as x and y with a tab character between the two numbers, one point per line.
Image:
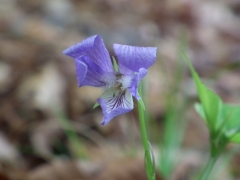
211	102
115	65
95	105
223	120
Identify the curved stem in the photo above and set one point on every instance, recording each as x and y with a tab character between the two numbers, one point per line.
148	159
209	167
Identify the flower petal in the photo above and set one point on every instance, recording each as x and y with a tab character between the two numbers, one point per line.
133	57
115	103
95	49
135	82
91	74
81	71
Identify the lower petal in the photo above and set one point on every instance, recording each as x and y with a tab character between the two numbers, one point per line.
114	103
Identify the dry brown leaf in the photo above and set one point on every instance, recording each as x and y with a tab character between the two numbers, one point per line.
127	169
58	170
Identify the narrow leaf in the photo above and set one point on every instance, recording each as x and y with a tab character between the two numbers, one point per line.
236	138
115	65
199	108
231	127
210	101
95	105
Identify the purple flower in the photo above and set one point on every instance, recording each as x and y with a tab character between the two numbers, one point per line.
94	68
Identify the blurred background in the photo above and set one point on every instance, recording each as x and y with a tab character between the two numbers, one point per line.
48	128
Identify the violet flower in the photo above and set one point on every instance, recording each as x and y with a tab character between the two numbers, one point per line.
94	68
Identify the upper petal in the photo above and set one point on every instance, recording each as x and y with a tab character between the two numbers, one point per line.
133	57
91	74
94	48
115	103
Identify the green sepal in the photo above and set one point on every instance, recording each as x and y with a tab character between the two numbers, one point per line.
115	65
95	105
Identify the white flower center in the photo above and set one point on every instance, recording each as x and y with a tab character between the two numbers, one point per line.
119	82
124	81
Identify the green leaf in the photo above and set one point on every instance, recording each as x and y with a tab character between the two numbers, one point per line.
236	138
212	106
95	105
210	101
199	108
115	65
223	119
228	122
232	114
231	125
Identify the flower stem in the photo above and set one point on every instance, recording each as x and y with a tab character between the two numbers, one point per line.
149	165
208	168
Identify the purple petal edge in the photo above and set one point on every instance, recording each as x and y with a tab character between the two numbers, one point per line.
135	82
81	71
95	49
78	49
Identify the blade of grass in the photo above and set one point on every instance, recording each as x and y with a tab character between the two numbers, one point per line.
77	147
173	121
212	103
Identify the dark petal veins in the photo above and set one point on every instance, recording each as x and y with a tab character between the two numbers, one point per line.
115	103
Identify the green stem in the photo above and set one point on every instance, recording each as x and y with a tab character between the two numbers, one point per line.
209	167
148	160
